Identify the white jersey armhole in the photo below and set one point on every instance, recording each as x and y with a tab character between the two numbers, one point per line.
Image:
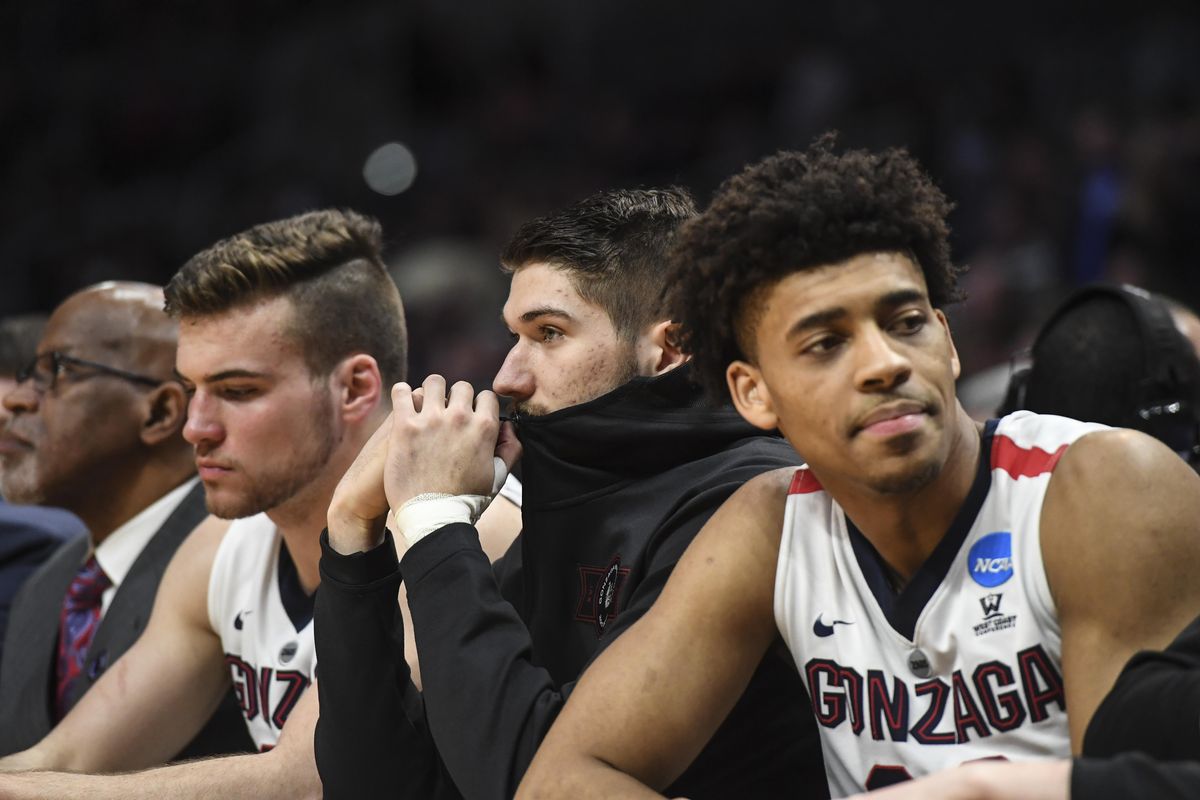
512	490
218	578
783	574
1046	431
1033	568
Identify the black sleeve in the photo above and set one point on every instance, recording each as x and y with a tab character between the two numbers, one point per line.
15	576
1134	776
370	739
488	705
1154	707
26	552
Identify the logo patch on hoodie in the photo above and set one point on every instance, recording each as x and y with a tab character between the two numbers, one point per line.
600	593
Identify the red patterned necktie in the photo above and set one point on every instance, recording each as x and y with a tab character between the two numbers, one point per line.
76	625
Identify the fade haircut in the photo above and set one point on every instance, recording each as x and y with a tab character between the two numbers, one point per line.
795	211
19	338
614	247
1087	365
328	264
1091	363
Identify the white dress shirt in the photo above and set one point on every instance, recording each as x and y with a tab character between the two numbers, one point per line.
120	550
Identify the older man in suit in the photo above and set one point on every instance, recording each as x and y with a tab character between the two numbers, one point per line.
95	428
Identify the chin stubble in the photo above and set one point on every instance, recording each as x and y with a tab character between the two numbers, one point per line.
910	483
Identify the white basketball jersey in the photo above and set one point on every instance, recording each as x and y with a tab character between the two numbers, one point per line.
965	662
258	608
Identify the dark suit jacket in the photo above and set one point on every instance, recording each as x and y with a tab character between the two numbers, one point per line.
28	536
27	670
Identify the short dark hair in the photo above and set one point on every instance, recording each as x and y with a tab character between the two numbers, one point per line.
794	211
614	245
1097	361
328	264
19	338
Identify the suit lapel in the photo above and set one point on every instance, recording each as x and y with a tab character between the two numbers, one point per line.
129	611
32	644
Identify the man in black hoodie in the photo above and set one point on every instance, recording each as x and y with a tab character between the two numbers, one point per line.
622	465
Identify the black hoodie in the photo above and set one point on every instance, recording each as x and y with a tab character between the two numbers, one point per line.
614	491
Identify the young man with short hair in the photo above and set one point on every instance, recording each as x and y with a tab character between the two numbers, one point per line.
1113	354
947	590
290	334
622	464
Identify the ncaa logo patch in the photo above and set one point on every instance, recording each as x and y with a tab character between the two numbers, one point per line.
990	559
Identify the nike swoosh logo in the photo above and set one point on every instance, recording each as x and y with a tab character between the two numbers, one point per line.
823	630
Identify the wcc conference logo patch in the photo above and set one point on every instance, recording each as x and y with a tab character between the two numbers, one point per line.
600	593
993	618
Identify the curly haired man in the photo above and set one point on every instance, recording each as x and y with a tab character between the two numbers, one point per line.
948	590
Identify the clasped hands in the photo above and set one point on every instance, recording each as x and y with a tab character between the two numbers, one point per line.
431	443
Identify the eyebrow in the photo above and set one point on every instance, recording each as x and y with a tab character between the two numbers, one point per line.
900	297
223	376
545	311
889	301
816	320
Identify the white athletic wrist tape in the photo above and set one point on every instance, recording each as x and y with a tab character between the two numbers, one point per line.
499	474
425	513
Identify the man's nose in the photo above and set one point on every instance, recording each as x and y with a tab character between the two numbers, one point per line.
202	426
514	380
23	398
881	365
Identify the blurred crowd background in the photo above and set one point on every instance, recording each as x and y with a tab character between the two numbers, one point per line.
134	134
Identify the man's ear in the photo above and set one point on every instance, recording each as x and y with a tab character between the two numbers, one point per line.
166	412
359	386
955	364
750	394
658	348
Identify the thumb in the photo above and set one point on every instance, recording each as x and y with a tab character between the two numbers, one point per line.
508	447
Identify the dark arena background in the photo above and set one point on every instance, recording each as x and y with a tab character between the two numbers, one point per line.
134	134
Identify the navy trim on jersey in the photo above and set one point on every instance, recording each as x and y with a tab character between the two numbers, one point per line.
296	602
904	607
